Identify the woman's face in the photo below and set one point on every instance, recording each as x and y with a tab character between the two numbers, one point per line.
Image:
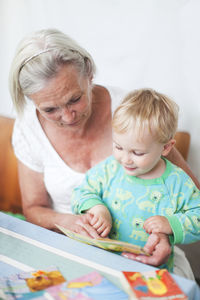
66	100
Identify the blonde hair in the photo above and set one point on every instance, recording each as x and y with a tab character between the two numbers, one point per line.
146	107
39	57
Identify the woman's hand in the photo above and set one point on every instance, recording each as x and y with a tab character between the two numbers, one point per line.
79	224
158	246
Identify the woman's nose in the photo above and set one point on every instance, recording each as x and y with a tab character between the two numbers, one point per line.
67	114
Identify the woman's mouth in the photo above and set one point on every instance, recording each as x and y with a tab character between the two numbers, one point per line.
63	124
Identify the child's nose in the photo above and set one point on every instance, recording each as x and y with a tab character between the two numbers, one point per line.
127	159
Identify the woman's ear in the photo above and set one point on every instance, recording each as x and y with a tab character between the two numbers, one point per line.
167	147
90	77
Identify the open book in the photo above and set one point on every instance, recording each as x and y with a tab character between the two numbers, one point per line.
104	243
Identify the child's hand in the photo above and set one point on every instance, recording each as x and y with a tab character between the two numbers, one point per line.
157	224
101	219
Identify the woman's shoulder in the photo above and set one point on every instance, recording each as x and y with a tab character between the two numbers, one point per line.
28	116
113	91
27	140
27	125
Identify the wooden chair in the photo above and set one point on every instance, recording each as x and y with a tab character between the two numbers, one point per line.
183	143
10	199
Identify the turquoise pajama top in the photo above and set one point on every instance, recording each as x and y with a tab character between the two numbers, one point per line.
132	200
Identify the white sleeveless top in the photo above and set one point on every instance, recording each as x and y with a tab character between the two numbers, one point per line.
33	149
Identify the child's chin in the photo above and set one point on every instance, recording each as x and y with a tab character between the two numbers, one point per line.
132	173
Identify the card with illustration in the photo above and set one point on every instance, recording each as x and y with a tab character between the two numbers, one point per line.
92	286
104	243
18	285
152	285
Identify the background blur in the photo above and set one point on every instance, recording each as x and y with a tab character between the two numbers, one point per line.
135	43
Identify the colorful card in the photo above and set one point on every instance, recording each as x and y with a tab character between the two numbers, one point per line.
92	286
51	285
104	243
152	285
18	285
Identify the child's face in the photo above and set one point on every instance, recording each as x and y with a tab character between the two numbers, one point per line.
138	154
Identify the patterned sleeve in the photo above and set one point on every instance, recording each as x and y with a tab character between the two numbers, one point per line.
90	192
185	223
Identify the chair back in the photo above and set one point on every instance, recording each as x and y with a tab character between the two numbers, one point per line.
183	143
10	198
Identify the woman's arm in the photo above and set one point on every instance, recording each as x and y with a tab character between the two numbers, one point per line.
37	205
176	158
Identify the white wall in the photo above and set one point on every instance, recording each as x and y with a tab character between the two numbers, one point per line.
135	43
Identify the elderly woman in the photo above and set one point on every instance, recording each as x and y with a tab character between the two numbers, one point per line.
63	129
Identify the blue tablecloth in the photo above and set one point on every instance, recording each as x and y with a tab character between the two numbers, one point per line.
25	246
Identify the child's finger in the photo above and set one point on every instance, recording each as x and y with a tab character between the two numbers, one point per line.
151	226
154	227
147	227
94	220
148	230
98	224
148	221
101	228
106	231
146	224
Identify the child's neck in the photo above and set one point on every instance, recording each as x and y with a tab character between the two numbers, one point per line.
156	172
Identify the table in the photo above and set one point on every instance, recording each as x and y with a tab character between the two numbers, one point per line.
26	247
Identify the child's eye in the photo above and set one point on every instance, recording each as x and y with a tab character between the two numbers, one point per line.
118	148
138	153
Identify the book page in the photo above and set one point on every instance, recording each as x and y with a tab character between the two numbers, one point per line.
104	243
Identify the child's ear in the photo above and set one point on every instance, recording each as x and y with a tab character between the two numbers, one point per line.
167	147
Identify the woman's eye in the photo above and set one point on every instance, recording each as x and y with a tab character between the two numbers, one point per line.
49	110
72	101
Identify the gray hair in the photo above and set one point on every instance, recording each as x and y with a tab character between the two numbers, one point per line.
39	57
